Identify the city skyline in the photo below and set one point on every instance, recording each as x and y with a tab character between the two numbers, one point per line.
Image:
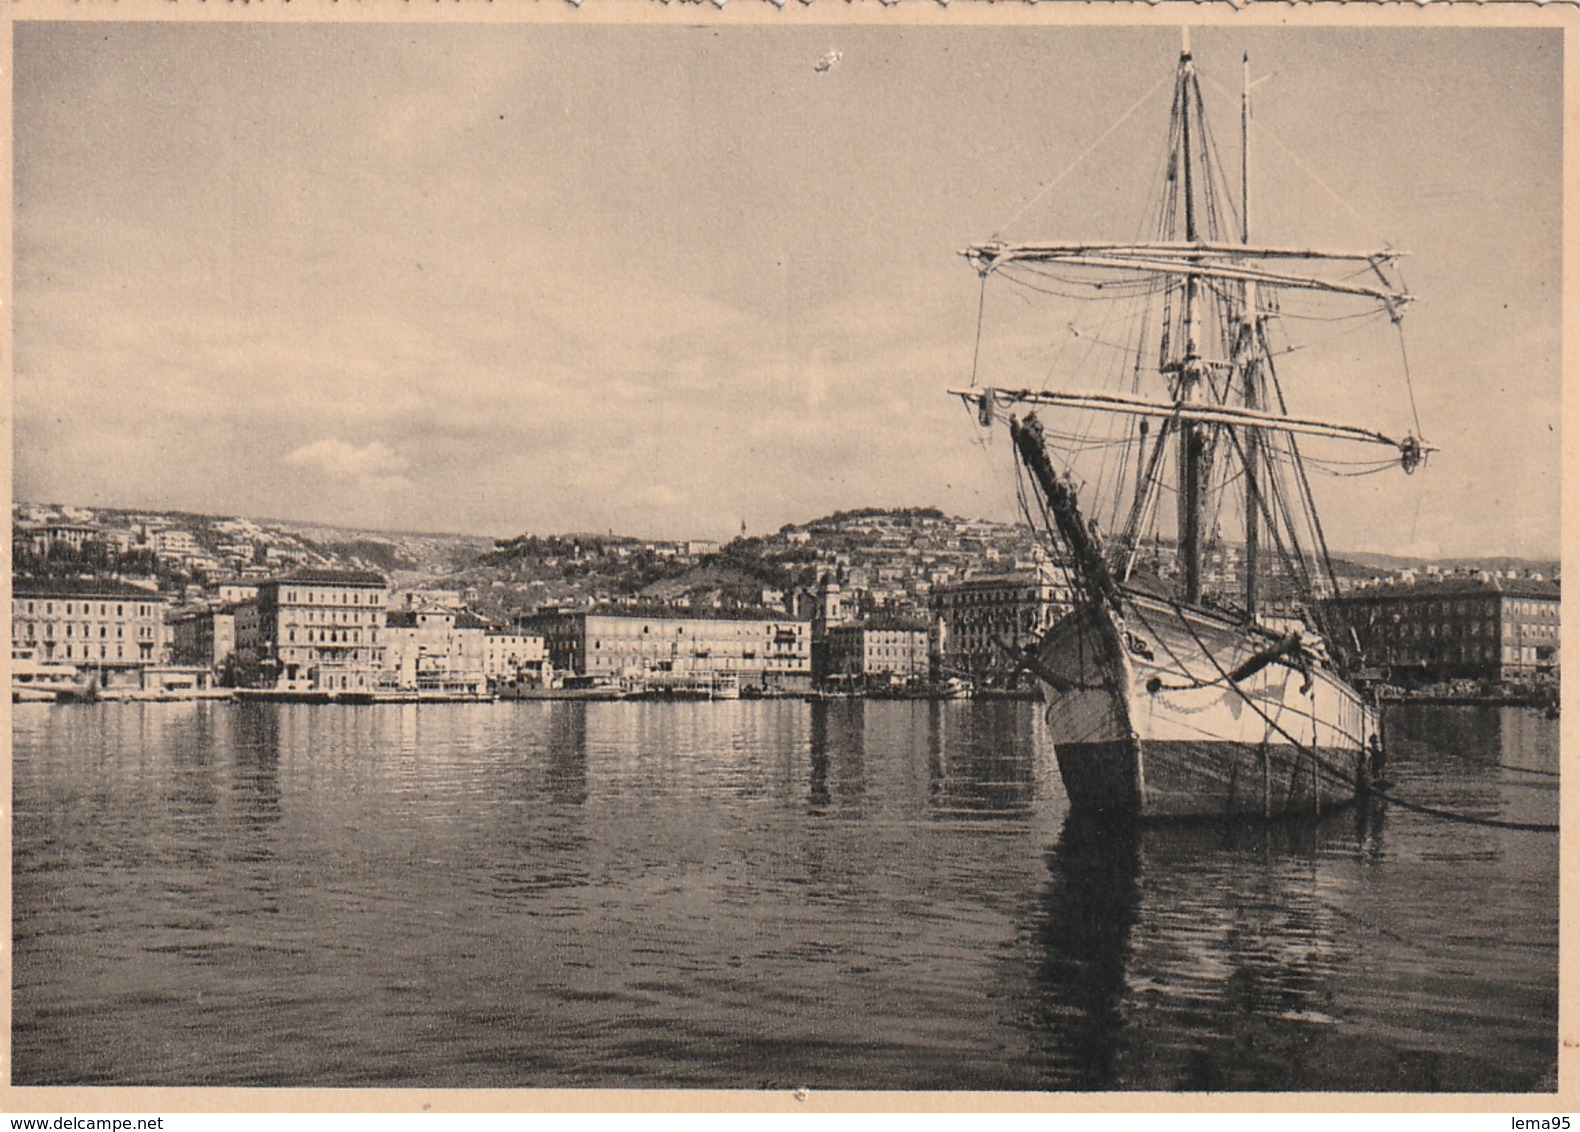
466	281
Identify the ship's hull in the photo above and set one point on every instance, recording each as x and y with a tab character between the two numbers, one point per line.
1147	720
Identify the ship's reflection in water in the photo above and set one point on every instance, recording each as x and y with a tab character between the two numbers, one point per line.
1374	949
1196	957
762	895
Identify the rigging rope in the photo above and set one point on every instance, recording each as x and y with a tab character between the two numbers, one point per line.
1263	131
1085	153
976	354
1408	383
1496	766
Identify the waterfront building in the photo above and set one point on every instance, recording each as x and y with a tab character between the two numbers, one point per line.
766	654
982	621
204	637
109	631
249	643
1456	627
321	630
177	679
878	653
515	657
825	605
435	648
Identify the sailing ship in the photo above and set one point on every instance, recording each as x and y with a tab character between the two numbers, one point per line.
1165	697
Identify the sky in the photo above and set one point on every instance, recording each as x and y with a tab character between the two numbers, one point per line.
668	280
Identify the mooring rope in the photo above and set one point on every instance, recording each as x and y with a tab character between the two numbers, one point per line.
1339	776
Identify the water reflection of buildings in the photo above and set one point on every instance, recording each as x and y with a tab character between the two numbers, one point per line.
837	754
1502	762
1521	738
566	777
981	759
254	739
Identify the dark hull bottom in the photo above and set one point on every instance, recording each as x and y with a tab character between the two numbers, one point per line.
1180	779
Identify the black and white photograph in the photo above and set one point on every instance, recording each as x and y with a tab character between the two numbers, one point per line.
795	554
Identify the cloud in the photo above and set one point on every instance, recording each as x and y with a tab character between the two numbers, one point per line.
375	464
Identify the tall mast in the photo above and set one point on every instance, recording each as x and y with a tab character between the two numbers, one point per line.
1250	315
1190	435
1245	148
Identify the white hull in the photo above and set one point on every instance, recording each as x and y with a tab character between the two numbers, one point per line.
1145	718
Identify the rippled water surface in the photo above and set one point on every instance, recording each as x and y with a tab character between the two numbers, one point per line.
752	895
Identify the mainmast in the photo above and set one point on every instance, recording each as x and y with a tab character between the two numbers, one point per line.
1192	441
1210	275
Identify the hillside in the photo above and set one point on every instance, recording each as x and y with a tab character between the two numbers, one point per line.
887	560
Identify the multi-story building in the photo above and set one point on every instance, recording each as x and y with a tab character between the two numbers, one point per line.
249	643
108	630
50	535
877	653
204	637
1475	627
514	657
419	599
435	649
175	544
982	622
321	630
234	592
766	654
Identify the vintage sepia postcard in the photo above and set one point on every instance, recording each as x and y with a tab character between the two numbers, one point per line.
993	557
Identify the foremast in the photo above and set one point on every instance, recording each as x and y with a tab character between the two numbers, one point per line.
1245	348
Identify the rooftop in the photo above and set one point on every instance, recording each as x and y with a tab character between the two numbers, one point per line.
331	578
80	587
1457	585
882	625
668	614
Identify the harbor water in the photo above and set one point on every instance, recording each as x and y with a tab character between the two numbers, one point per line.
761	895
